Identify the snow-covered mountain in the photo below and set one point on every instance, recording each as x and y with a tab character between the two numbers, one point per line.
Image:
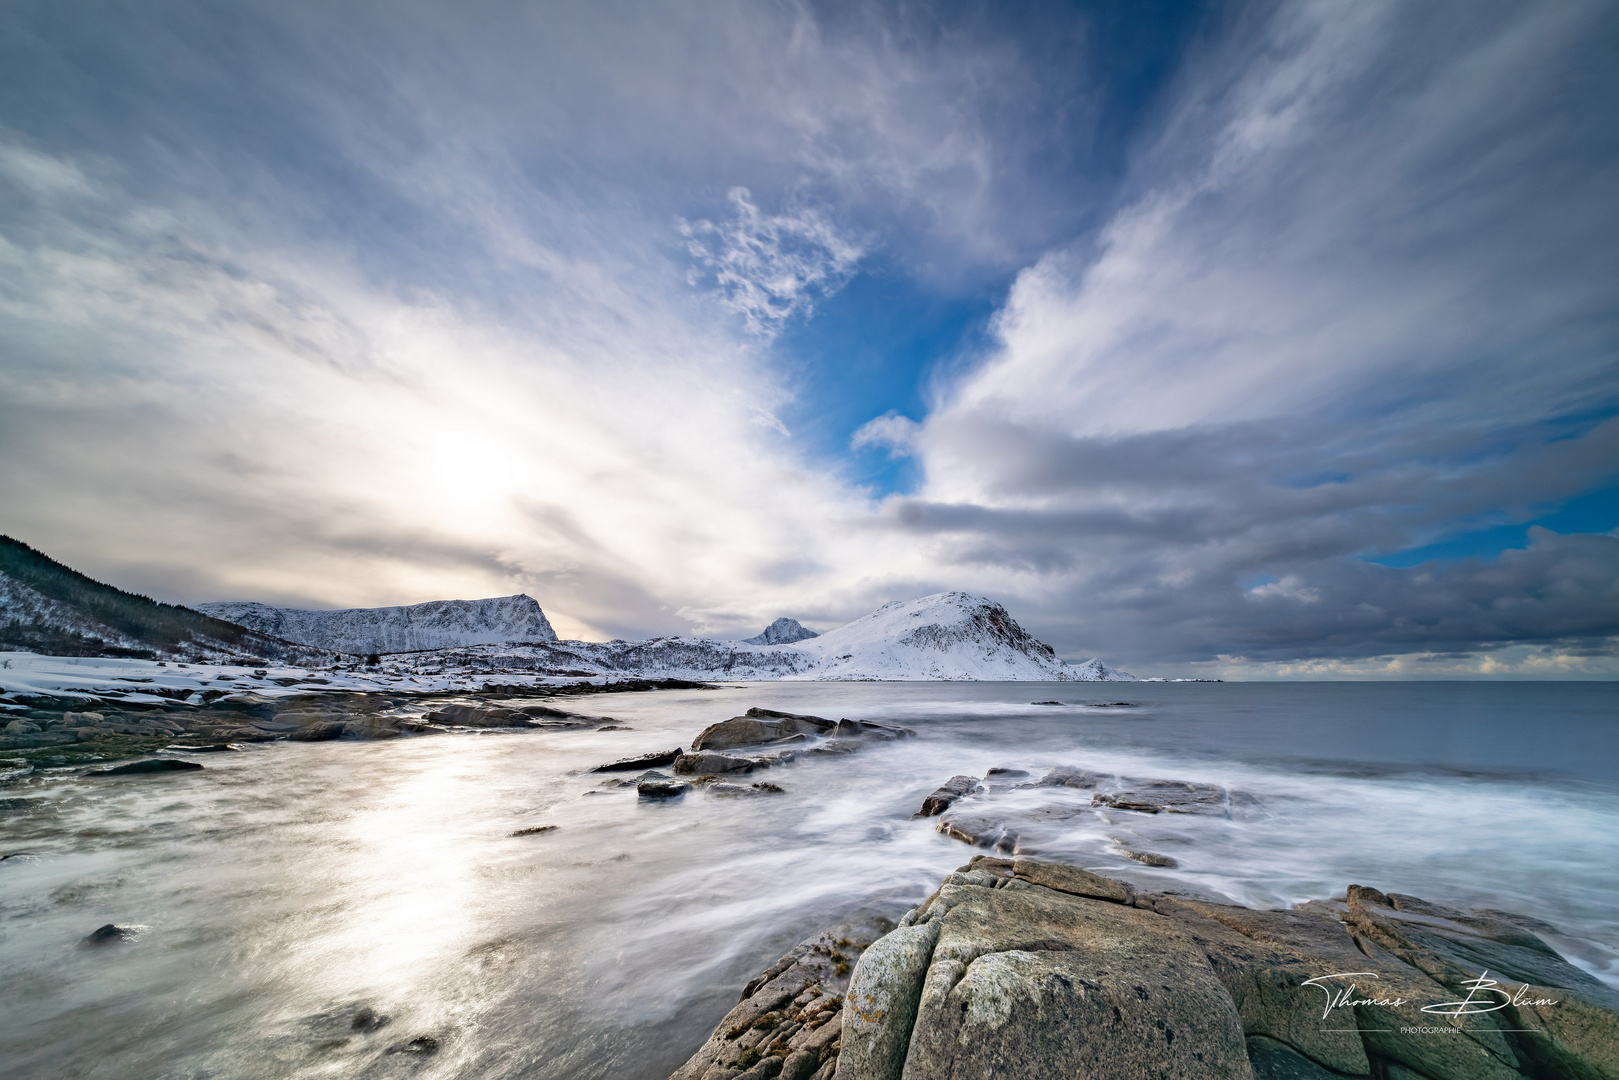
950	635
781	632
438	624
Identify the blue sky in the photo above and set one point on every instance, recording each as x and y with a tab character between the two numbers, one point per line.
1256	339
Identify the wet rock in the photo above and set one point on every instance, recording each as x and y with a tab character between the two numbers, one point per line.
1127	802
725	790
210	748
421	1044
1006	774
112	934
366	1020
535	830
1045	703
479	716
1069	776
759	727
321	731
711	764
946	794
661	787
151	765
645	761
980	830
1148	858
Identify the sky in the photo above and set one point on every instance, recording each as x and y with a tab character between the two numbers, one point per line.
1247	340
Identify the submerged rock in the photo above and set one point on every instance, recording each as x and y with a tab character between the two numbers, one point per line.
152	765
661	787
112	934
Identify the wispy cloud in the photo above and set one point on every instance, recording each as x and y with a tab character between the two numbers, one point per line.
769	268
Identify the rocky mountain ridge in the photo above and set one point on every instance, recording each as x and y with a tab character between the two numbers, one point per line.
437	624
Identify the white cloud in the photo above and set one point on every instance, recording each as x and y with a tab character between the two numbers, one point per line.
769	268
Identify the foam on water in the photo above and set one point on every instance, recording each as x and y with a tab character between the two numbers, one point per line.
289	885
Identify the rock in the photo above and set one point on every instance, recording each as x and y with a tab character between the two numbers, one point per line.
645	761
1012	969
945	794
320	731
661	787
535	830
421	1044
479	716
1148	858
1069	776
1577	1035
112	934
367	1020
1045	703
879	1007
21	727
1072	880
151	765
759	727
1272	1060
1034	983
733	790
1005	774
794	1007
705	764
211	748
1127	802
820	723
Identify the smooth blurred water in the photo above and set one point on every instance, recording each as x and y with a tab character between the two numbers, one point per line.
285	887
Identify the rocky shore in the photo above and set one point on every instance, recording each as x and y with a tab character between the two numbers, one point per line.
1028	968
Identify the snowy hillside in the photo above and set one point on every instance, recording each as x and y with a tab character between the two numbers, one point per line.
439	624
947	636
54	610
952	635
781	632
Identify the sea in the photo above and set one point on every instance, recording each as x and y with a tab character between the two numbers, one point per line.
283	891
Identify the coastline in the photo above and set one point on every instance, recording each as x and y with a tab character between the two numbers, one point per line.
1028	968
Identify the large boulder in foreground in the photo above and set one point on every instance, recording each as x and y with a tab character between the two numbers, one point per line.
1033	969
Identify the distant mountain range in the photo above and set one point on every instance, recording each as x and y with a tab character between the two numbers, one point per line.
45	607
439	624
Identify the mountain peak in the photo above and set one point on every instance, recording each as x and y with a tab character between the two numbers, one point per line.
783	631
